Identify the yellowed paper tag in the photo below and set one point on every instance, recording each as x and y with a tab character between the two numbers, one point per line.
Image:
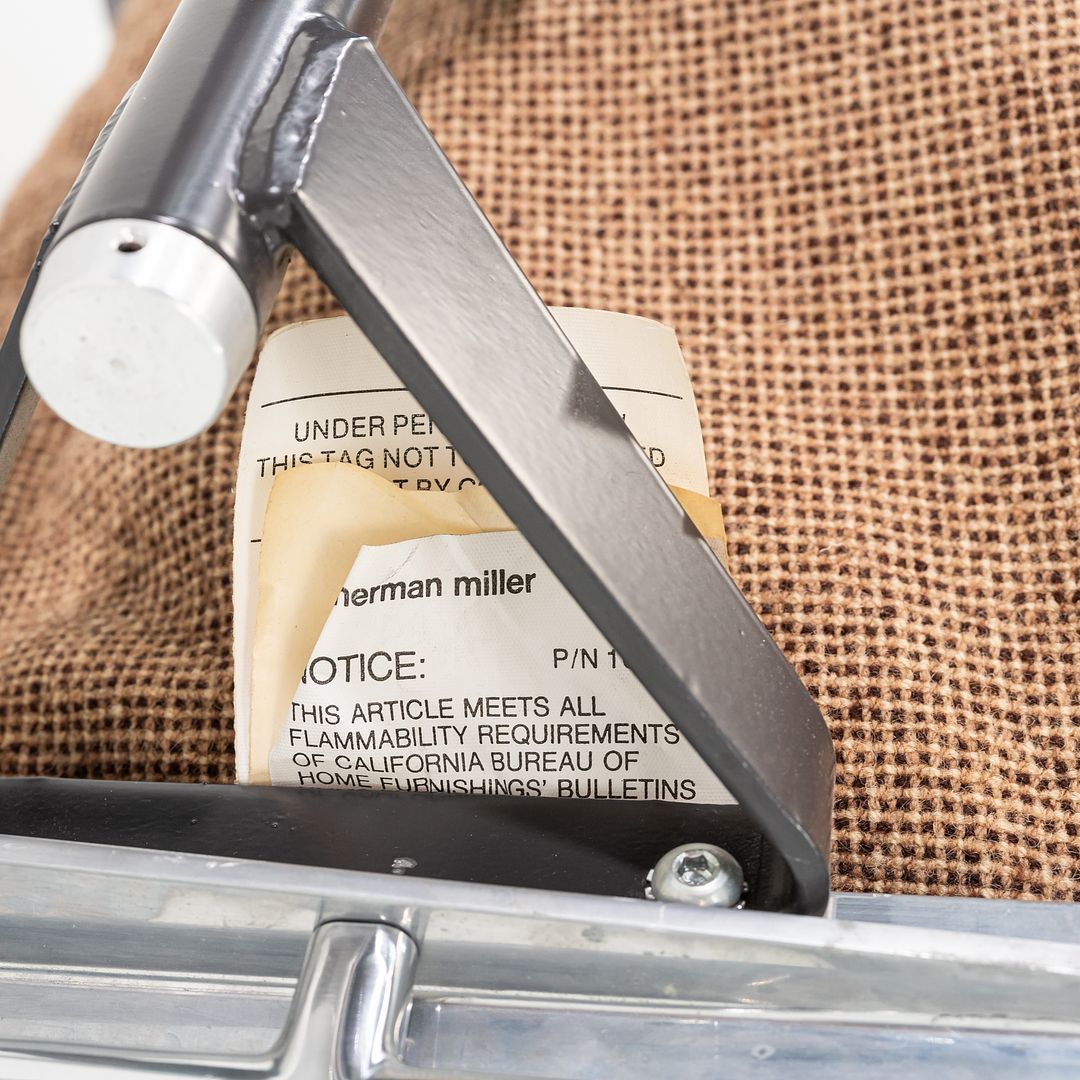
452	660
322	396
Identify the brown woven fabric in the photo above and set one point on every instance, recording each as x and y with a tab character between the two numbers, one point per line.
861	217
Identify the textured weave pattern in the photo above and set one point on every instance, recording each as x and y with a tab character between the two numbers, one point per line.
861	218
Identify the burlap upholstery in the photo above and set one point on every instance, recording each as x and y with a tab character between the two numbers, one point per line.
861	216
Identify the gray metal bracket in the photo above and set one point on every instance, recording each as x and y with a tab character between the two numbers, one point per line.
261	126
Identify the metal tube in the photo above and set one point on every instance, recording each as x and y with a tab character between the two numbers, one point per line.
177	153
150	303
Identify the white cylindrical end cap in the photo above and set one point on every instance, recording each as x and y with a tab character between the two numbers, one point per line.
137	332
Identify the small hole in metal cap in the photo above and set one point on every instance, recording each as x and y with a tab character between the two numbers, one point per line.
130	243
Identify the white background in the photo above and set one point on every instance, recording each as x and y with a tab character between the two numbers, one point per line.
49	51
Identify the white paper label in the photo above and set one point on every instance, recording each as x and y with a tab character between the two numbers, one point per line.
322	393
459	664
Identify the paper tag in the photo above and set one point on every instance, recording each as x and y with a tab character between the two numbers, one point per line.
459	664
323	395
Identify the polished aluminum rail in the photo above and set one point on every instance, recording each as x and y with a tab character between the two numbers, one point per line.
122	962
